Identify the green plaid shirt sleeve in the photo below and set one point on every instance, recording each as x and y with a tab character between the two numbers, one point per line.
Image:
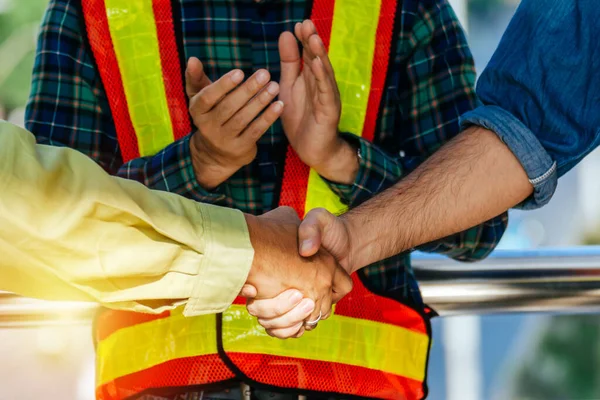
436	88
68	107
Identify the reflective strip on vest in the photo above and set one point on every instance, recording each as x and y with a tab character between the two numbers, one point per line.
134	46
387	344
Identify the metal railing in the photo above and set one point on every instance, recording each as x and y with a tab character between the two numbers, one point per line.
557	281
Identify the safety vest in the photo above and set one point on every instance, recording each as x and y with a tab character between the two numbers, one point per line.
371	347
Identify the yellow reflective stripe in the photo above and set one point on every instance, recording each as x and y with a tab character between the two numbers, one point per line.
319	194
145	345
339	339
134	37
351	51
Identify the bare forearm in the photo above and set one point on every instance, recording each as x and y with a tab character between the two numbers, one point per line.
472	179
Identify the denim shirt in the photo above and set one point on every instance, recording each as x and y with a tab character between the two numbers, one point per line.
540	92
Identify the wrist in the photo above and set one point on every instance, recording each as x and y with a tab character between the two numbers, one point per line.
357	247
209	172
255	239
342	164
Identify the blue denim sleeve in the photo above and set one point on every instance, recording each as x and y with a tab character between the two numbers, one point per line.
540	92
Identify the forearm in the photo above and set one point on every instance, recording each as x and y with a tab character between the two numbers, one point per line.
69	230
472	179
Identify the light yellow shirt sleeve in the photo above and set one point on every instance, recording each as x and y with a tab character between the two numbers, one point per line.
70	231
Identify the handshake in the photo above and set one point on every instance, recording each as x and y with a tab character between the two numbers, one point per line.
293	281
300	269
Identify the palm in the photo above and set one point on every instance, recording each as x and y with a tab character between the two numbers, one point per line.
310	122
303	115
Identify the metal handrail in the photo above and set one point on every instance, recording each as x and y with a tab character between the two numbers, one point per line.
557	281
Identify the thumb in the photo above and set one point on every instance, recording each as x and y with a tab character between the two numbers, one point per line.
195	77
320	228
248	291
310	232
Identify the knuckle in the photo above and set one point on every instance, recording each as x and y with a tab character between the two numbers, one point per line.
237	124
256	130
265	98
252	310
287	209
204	98
254	133
278	309
251	87
224	111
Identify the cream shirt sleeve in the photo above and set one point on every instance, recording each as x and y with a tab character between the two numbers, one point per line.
70	231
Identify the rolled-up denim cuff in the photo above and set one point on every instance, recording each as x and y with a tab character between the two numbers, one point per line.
536	161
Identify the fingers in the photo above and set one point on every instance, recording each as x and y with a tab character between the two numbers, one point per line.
239	122
294	317
300	332
342	284
259	126
208	97
298	32
285	333
303	32
278	306
325	86
318	49
242	95
290	59
195	77
322	309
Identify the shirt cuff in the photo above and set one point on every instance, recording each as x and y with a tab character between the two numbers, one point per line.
534	159
171	170
227	260
376	171
196	191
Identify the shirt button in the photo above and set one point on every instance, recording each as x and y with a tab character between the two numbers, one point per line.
402	153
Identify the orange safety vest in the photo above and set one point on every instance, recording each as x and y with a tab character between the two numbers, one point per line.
371	347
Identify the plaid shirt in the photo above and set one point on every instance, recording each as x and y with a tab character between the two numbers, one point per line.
430	87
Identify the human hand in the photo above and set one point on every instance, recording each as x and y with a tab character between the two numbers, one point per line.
286	312
229	120
322	229
277	266
313	106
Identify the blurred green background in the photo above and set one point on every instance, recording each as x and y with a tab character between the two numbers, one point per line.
19	22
